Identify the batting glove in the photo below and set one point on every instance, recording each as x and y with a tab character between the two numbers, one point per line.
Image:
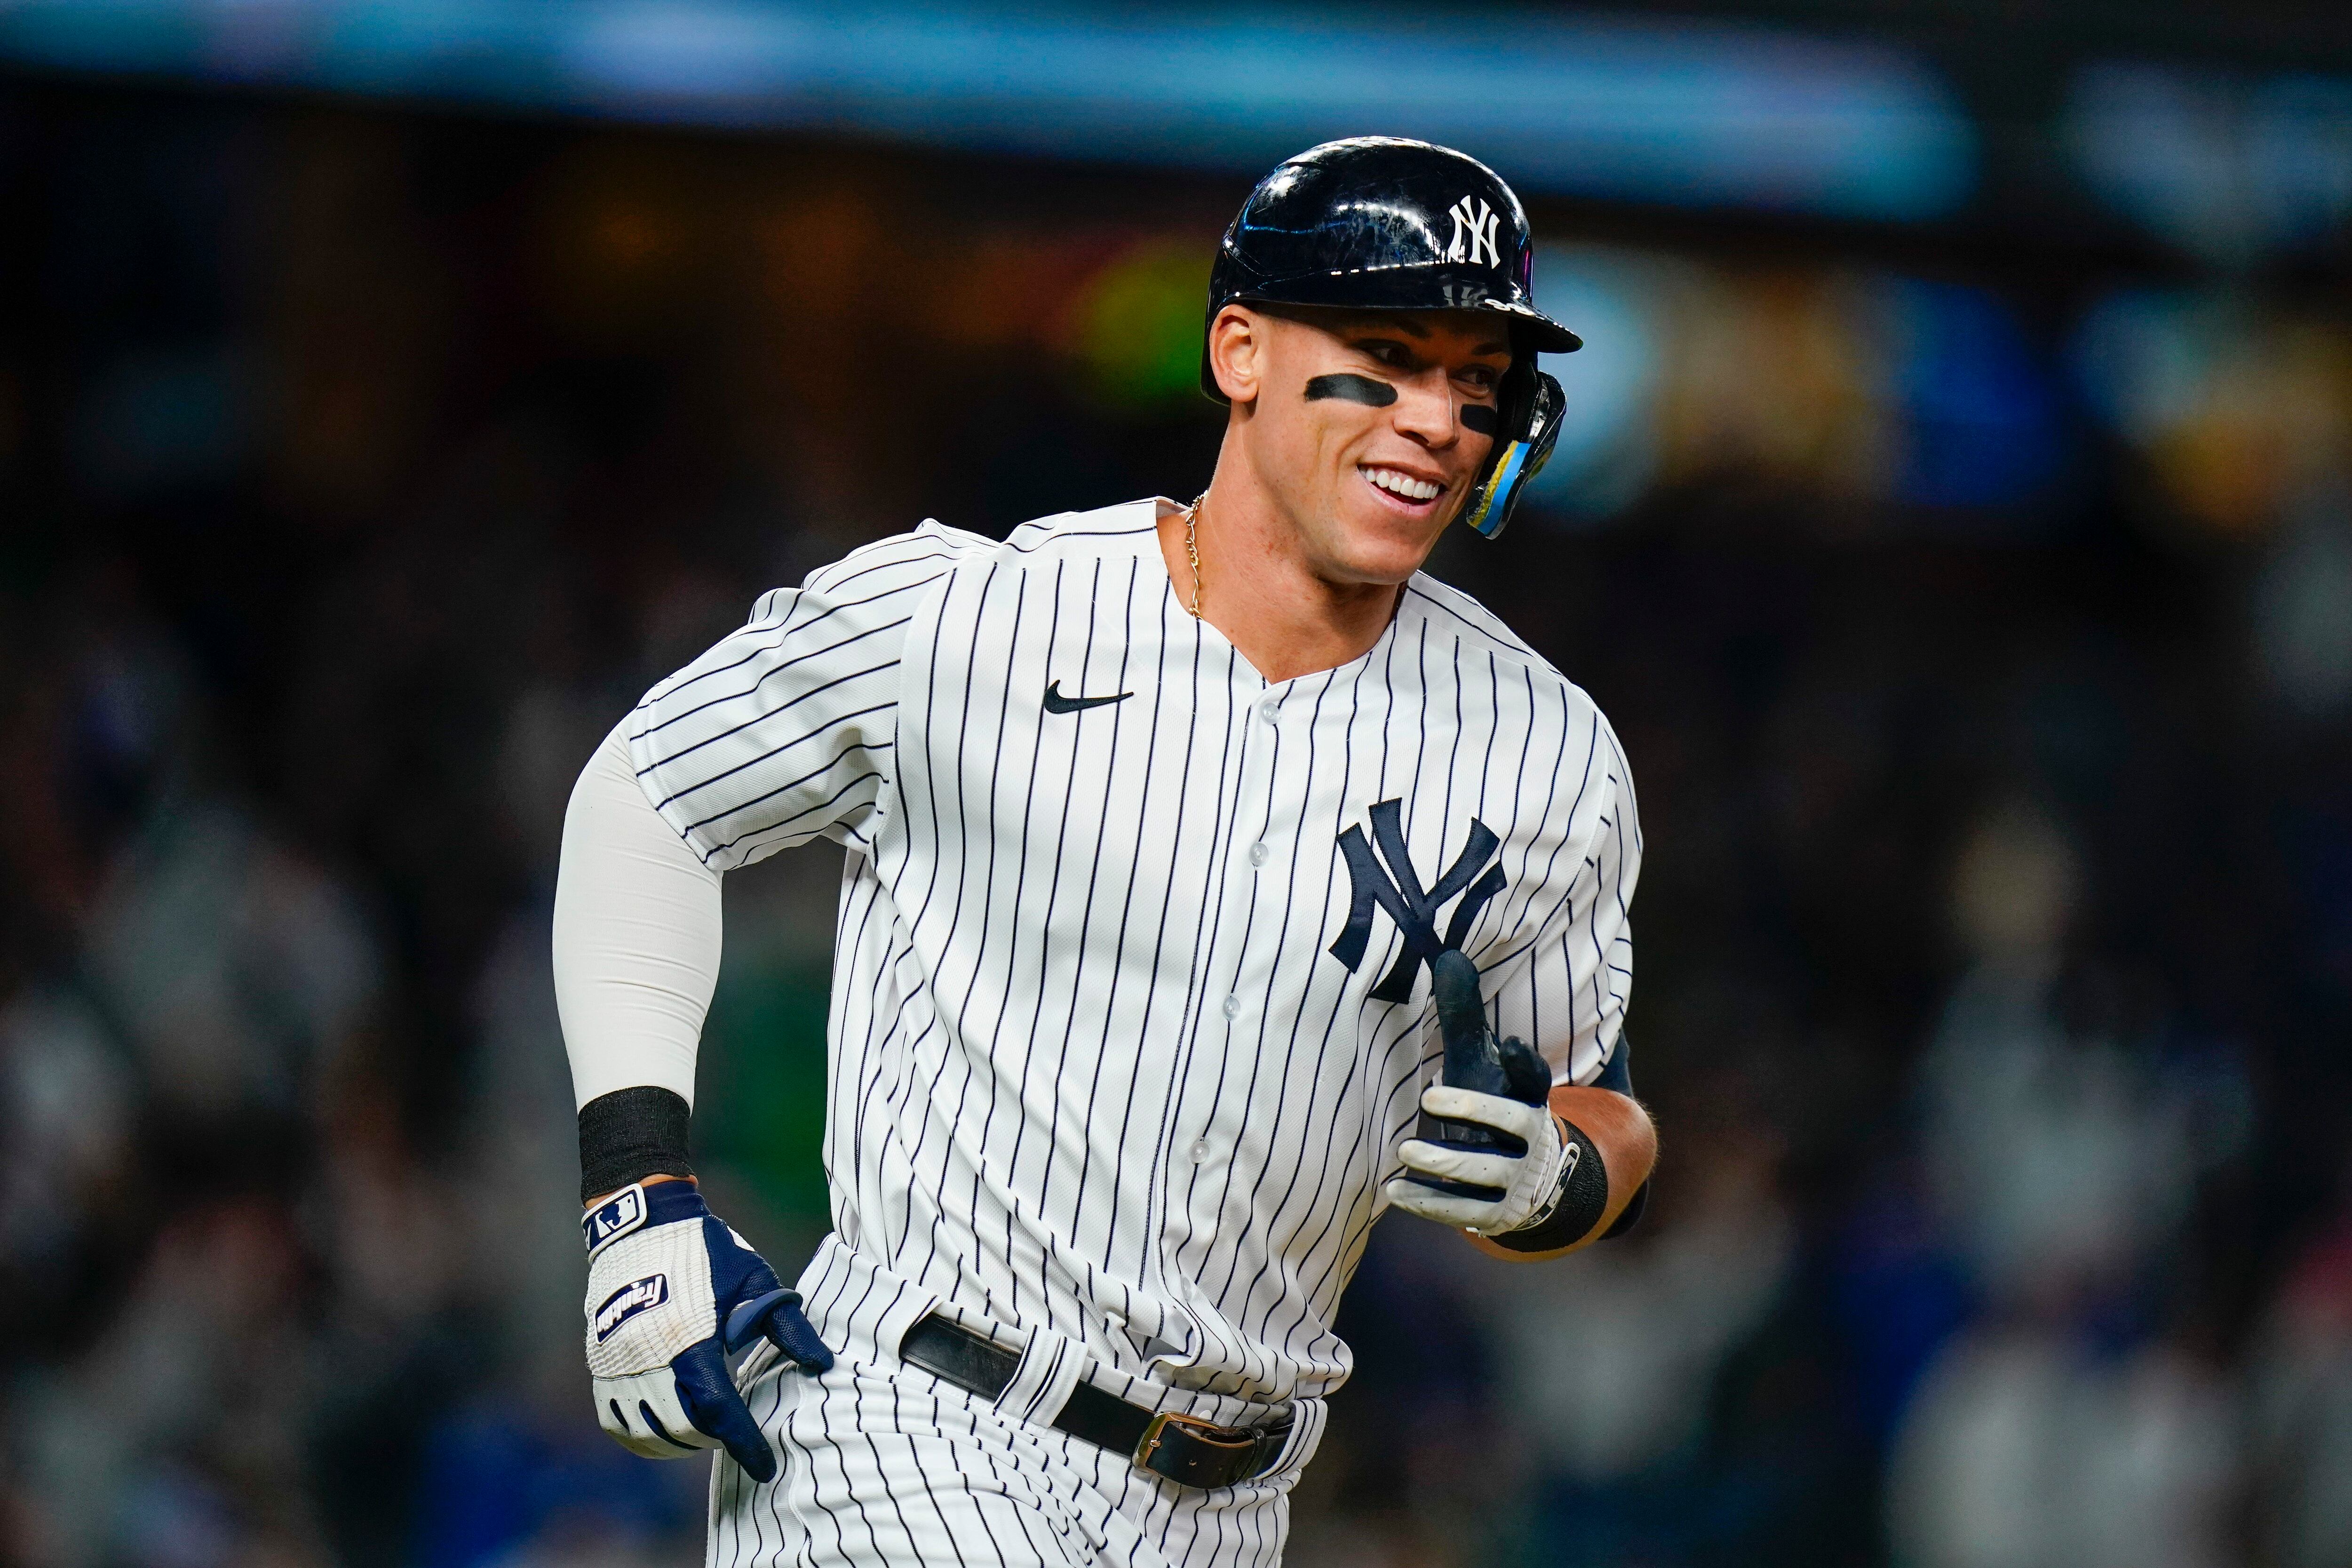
672	1294
1496	1159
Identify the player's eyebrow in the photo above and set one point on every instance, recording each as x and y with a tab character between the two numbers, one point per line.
1418	355
1494	346
1371	326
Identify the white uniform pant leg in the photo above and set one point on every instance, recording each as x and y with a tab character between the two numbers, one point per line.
875	1474
897	1470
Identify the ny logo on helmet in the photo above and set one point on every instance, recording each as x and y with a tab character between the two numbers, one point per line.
1478	228
1398	890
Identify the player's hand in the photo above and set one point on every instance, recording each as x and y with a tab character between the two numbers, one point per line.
1526	1185
672	1294
1507	1172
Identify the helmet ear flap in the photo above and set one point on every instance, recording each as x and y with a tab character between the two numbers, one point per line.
1532	404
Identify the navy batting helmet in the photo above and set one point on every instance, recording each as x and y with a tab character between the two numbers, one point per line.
1378	223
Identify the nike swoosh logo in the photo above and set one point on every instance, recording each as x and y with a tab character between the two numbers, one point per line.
1057	703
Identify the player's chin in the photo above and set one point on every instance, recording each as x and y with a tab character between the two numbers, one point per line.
1387	536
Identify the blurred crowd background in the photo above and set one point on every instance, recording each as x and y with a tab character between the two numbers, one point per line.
1954	517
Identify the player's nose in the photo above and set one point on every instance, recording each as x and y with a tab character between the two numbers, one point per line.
1426	410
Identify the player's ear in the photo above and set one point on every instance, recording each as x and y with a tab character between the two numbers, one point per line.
1237	342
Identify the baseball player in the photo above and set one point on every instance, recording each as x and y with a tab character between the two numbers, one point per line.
1207	868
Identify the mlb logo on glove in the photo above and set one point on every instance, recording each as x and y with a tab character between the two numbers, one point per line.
623	1214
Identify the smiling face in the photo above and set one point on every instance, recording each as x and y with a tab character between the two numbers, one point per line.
1366	429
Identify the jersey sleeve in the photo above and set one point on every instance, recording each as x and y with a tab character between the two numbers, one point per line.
1565	990
783	731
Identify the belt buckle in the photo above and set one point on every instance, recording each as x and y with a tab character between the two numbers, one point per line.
1193	1426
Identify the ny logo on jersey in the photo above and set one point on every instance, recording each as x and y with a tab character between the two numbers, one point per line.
1398	890
1477	228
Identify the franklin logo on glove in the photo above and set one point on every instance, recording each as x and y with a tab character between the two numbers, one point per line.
629	1300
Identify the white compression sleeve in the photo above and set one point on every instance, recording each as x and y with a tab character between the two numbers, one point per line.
637	936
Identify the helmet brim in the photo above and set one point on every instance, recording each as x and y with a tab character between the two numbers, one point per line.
1415	288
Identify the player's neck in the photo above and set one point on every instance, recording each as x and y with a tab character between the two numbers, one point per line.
1261	592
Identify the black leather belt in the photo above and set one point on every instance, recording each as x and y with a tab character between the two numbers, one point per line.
1184	1449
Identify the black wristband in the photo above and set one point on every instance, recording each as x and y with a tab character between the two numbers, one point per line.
628	1135
1583	1197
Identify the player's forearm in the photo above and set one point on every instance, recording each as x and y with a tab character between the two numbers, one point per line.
637	939
1621	1132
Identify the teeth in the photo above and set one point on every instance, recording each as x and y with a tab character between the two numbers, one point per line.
1403	485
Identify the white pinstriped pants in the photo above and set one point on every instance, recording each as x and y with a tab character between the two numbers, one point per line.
885	1466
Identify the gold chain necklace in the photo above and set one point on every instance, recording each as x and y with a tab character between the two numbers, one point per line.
1193	549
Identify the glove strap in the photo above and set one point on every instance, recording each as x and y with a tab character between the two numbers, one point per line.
1577	1204
747	1321
639	1208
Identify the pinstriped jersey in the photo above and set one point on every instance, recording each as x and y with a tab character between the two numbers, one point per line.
1131	1001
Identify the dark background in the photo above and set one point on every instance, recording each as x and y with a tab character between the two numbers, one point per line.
1973	598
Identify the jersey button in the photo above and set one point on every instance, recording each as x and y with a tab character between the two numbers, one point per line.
1267	710
1259	853
1233	1006
1199	1151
